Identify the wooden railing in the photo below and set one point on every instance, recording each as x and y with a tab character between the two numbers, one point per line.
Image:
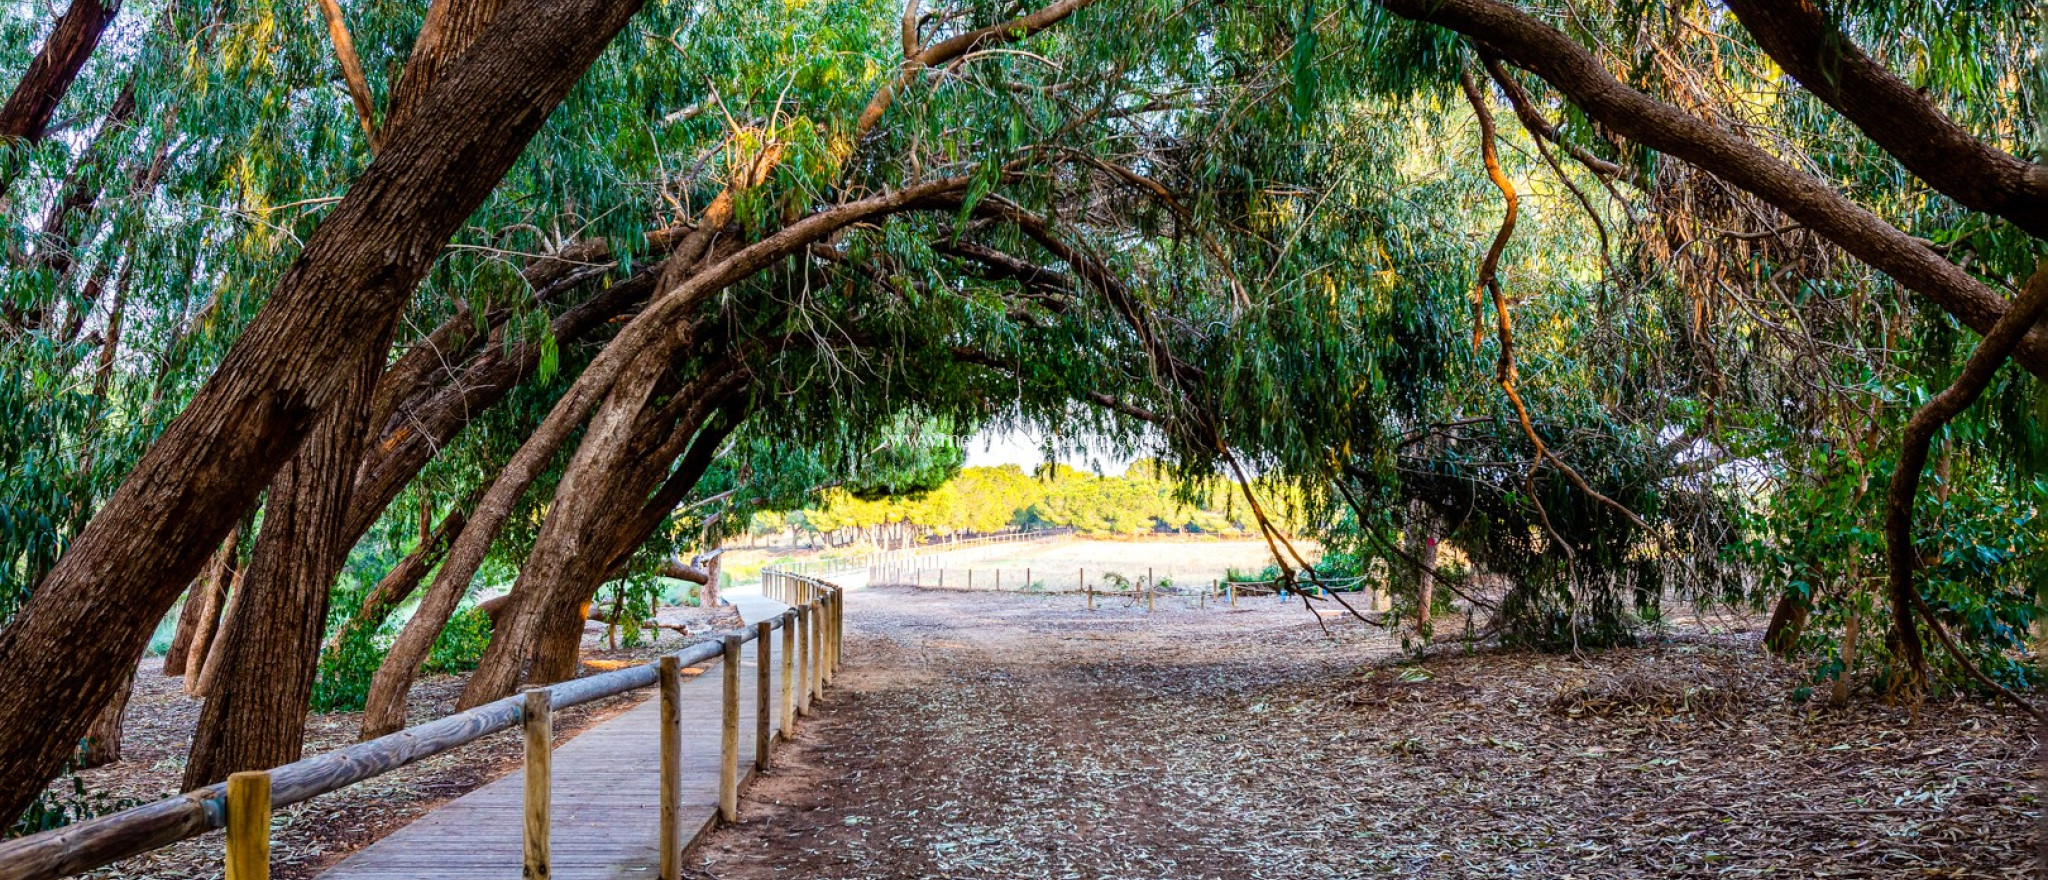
243	805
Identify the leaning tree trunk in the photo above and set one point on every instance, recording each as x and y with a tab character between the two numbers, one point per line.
1788	623
342	295
202	606
548	601
26	115
586	503
205	655
255	714
102	744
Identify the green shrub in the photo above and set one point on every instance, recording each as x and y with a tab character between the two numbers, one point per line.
461	643
345	672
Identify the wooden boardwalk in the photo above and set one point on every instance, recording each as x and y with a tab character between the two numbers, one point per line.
605	803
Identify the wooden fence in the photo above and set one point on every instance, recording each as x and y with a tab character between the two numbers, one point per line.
1103	586
243	805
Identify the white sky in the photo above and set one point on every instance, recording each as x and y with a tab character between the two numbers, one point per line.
1025	448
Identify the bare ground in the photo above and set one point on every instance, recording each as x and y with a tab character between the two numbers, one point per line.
309	837
1005	736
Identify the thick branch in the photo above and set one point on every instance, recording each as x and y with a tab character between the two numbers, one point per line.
1799	36
26	116
1581	77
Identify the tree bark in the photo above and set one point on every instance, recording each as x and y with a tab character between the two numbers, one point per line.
255	714
1788	623
664	324
103	739
26	115
339	298
1573	70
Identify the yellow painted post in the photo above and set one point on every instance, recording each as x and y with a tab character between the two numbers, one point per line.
762	706
538	720
729	735
671	839
789	675
248	855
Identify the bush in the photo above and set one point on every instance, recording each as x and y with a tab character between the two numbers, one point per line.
345	672
461	643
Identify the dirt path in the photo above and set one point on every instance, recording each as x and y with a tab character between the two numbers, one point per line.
984	736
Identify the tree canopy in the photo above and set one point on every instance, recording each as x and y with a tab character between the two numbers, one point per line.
1631	303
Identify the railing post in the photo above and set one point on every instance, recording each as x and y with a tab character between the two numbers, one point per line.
729	735
817	672
762	705
789	674
803	659
830	602
671	839
248	854
538	720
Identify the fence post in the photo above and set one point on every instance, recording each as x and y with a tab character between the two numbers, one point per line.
1149	585
832	633
248	855
817	677
729	734
671	840
538	721
1085	588
1233	593
970	578
803	659
762	704
788	675
830	602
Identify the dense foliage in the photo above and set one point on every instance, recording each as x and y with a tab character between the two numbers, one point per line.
1342	273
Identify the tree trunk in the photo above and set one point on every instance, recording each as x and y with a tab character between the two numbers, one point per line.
202	667
551	598
103	739
255	714
709	595
1788	623
342	295
564	565
26	115
202	608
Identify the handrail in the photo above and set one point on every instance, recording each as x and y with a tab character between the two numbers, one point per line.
94	843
